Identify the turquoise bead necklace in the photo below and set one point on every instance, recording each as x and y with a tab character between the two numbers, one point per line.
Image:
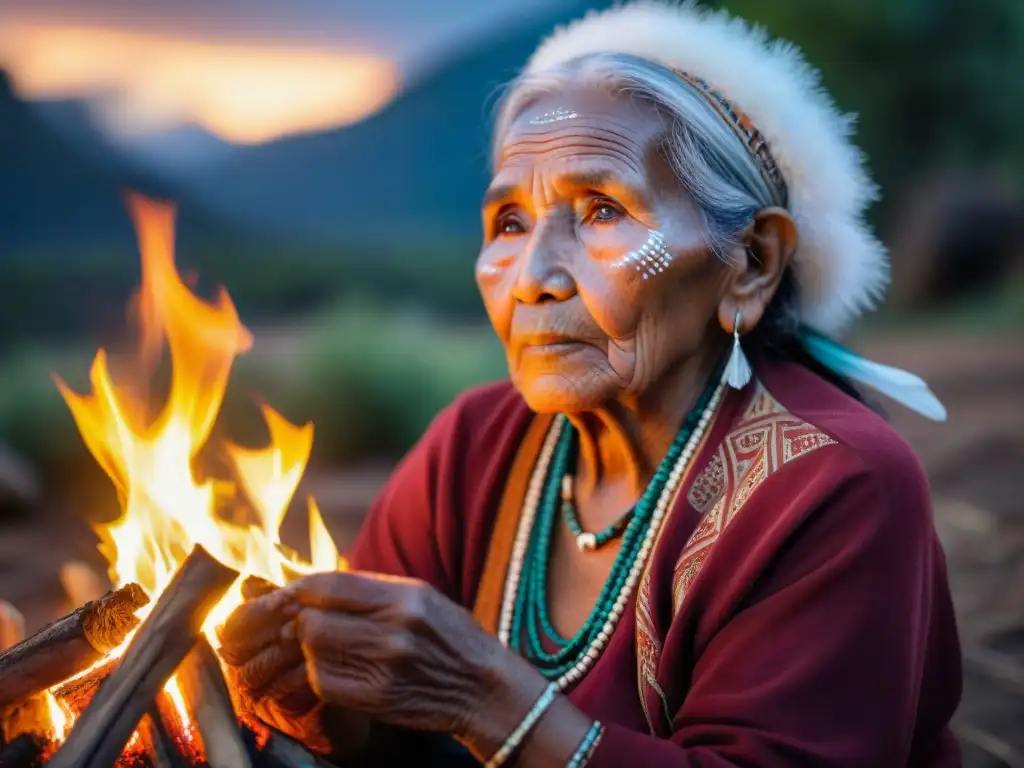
586	541
529	628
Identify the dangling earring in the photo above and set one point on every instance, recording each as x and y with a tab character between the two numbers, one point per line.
737	370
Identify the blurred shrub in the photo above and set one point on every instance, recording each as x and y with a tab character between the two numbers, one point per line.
373	379
370	377
59	296
33	418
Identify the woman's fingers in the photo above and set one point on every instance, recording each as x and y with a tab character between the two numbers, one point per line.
292	692
328	639
352	660
255	625
263	671
349	591
255	586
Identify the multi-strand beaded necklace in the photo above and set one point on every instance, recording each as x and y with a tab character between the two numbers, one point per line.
525	623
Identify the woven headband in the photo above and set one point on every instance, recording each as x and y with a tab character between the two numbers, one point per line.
745	130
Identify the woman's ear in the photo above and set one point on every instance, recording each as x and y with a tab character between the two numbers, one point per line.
768	247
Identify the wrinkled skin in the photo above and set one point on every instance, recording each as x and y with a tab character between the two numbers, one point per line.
268	667
391	649
624	357
567	201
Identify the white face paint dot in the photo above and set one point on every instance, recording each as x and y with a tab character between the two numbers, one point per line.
554	117
489	270
650	258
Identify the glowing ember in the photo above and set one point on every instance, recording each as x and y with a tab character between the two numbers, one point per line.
166	510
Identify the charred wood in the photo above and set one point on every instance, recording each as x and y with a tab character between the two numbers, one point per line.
162	642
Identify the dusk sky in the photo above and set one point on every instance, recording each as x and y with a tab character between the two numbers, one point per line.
247	72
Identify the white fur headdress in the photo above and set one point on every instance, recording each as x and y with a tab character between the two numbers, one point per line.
841	267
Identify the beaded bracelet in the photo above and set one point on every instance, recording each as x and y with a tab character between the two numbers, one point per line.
586	748
532	717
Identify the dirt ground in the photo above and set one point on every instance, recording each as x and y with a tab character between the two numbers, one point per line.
974	462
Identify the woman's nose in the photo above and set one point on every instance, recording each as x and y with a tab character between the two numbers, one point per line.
543	274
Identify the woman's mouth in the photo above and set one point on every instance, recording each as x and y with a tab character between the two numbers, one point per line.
551	346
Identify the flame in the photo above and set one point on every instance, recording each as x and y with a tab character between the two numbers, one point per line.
166	508
244	90
173	691
323	553
60	716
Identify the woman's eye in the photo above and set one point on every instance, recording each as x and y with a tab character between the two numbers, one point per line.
604	212
509	224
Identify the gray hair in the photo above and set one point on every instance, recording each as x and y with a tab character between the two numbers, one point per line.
707	156
710	161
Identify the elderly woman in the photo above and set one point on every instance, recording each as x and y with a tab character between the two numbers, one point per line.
677	536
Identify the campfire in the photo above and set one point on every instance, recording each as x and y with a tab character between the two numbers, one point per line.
133	678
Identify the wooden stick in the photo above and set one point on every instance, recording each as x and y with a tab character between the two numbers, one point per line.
283	752
159	743
69	645
254	587
162	642
206	691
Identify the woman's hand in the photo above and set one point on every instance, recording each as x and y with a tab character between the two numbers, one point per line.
400	652
269	670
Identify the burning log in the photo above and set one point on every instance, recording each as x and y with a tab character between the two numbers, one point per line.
159	744
204	688
68	646
162	642
76	694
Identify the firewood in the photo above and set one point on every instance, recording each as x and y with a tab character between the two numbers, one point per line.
159	745
77	693
254	587
69	645
204	688
281	751
163	641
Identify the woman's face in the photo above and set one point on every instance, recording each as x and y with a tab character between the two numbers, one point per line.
594	270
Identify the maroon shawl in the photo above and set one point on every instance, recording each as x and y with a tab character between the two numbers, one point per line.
795	610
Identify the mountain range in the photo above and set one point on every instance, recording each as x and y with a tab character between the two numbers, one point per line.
414	170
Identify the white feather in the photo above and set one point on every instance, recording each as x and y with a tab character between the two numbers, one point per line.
902	386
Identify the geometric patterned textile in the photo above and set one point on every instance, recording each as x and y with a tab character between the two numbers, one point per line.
763	439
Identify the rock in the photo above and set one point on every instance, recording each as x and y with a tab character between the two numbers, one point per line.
20	486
